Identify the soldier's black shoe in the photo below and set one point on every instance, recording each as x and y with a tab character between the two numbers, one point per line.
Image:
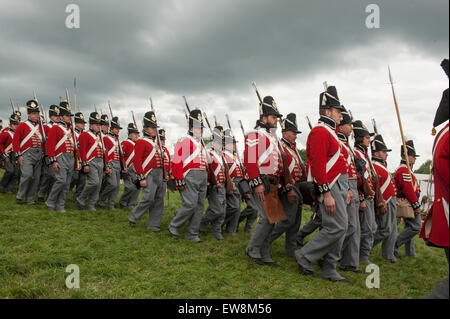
271	264
305	271
20	201
41	200
132	224
257	261
350	268
173	233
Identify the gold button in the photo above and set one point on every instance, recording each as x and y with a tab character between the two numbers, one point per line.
438	200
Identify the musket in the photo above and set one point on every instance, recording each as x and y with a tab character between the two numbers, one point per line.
122	165
405	151
44	137
208	158
228	181
12	105
161	149
237	153
287	174
77	163
309	123
75	93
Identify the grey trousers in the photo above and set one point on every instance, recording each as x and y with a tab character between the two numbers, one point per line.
314	223
78	181
387	230
112	186
193	203
94	182
406	237
215	213
47	180
368	229
350	247
152	195
11	175
233	209
30	174
131	192
58	193
289	226
249	214
327	244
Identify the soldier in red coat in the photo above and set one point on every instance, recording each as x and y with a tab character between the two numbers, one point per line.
215	213
131	192
111	185
351	245
11	175
47	174
60	150
408	189
387	223
435	230
264	167
366	208
78	177
328	169
190	171
28	148
148	162
292	201
93	162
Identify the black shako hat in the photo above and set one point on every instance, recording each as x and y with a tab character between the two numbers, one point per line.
360	130
104	119
94	118
14	119
79	118
289	123
410	149
229	137
195	119
162	134
442	113
64	109
32	106
377	144
53	110
132	128
269	107
329	99
346	117
218	135
149	120
115	123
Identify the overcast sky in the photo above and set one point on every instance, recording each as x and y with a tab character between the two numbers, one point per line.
211	51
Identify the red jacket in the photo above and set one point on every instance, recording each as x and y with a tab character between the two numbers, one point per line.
48	127
217	165
435	226
23	140
262	155
405	188
147	156
293	161
348	155
59	141
111	144
233	164
325	160
6	138
90	147
167	161
385	182
188	154
128	152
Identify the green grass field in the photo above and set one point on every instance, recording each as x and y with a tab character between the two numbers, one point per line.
116	261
